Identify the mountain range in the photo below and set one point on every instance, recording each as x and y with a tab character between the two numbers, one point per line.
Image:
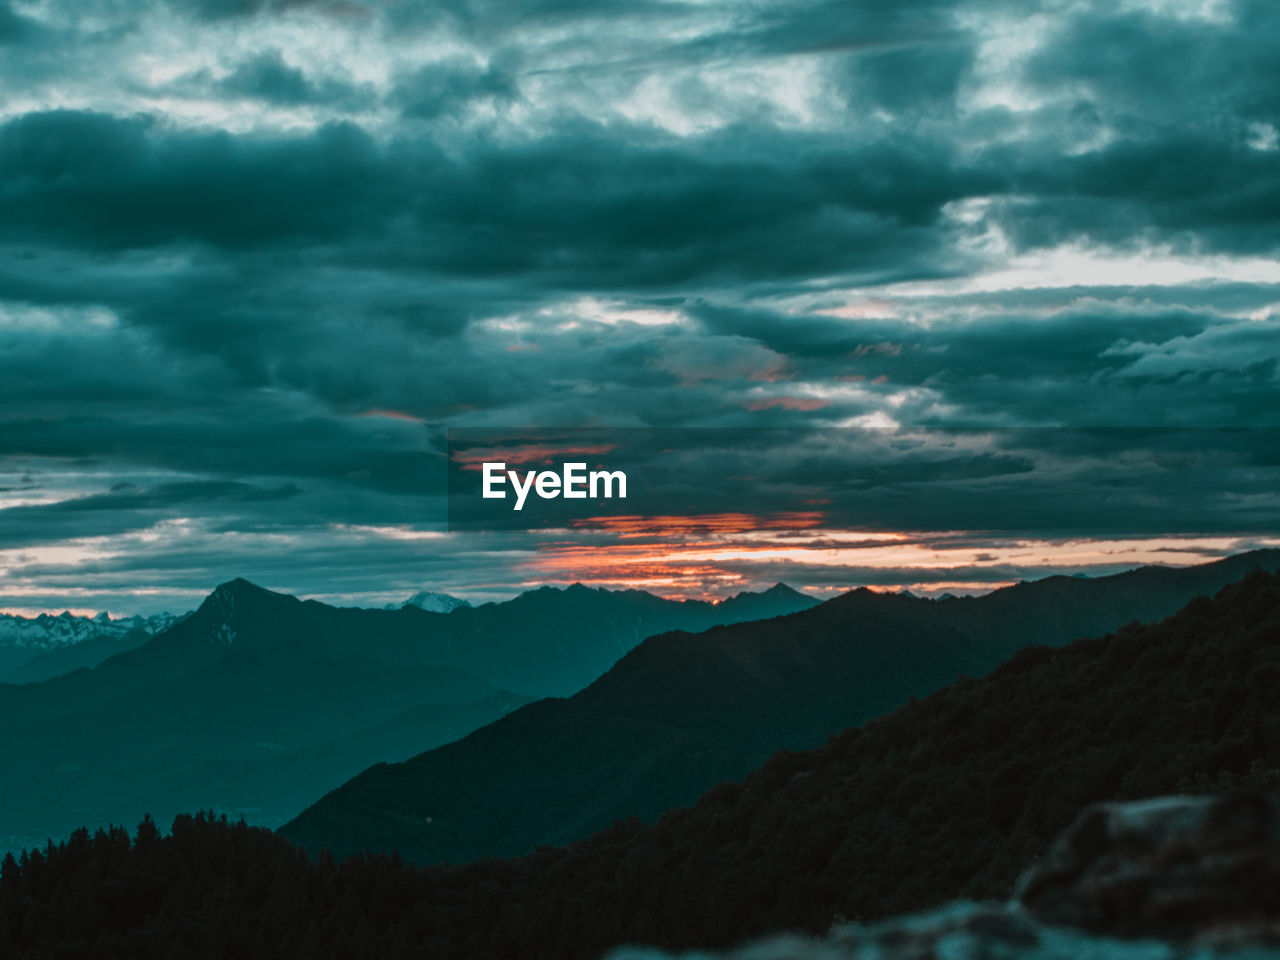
550	642
258	702
681	712
37	648
952	795
429	600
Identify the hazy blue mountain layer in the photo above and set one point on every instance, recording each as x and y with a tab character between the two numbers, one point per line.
682	713
257	703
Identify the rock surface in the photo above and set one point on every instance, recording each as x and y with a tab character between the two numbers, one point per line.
1177	867
1178	878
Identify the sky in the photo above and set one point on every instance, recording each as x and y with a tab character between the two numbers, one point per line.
259	257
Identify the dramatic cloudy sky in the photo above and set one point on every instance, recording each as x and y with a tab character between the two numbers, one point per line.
258	256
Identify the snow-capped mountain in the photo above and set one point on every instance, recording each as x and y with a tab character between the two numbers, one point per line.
37	648
431	602
46	631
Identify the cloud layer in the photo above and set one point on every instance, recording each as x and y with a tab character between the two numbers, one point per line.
256	258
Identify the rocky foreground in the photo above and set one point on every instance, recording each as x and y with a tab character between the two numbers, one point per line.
1178	878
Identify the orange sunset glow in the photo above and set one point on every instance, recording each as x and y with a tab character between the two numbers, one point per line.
528	453
708	555
720	523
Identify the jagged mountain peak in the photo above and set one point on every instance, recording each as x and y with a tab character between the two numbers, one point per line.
777	590
239	585
238	603
240	590
432	601
861	595
550	591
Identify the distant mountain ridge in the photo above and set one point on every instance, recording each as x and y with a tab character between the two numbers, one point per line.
44	646
431	601
553	641
258	702
683	712
49	630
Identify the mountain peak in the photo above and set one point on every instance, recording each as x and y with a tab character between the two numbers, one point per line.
547	590
872	599
777	591
857	592
432	602
781	589
233	590
234	602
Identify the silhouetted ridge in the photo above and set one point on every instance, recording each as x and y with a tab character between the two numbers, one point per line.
260	702
238	592
682	712
238	607
867	595
778	589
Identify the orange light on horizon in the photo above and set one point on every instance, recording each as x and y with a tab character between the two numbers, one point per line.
525	453
671	582
704	523
712	551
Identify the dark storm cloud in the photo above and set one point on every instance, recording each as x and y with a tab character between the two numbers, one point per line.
1151	71
389	460
124	509
1097	362
1177	97
235	9
489	18
849	205
1019	481
268	77
582	208
98	182
1178	186
14	27
920	76
725	31
447	88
